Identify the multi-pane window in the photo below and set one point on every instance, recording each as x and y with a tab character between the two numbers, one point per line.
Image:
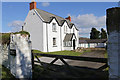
54	26
67	44
54	41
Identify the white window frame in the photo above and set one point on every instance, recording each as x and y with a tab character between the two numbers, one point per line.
54	43
54	27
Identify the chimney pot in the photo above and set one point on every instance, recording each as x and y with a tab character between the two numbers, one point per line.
32	5
68	18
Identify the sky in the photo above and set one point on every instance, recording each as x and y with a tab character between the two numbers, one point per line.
84	15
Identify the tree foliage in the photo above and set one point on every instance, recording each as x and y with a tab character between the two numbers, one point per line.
94	34
103	34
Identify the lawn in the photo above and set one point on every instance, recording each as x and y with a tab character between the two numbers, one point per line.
65	52
106	54
6	75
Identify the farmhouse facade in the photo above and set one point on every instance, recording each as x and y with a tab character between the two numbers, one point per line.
49	32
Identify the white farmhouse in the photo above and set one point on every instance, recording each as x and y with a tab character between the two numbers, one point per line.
49	32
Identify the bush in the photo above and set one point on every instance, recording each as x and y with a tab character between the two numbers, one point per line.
22	32
5	38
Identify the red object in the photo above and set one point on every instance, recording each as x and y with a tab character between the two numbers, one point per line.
69	18
32	5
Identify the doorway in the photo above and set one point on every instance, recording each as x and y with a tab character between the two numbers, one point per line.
73	44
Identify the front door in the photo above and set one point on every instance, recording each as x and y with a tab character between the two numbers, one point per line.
74	44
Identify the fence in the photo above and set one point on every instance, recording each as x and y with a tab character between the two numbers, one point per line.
62	57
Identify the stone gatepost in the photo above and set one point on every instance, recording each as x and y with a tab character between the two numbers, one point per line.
20	56
113	28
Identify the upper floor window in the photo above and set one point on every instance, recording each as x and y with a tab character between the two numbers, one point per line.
65	29
54	26
73	30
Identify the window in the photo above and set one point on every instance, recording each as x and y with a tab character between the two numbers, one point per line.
73	30
54	26
67	44
54	41
65	29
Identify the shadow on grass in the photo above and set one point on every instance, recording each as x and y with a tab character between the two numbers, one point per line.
68	72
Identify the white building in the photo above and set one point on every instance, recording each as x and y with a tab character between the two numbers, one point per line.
49	32
92	43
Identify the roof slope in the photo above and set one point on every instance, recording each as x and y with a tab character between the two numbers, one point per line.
93	41
47	17
68	37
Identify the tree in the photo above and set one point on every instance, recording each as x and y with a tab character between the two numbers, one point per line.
94	34
103	34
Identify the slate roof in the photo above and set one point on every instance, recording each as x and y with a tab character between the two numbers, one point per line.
68	37
47	17
93	41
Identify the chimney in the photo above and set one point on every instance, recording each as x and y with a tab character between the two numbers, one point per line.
33	5
68	18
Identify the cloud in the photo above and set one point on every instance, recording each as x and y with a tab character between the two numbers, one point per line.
45	4
85	22
16	25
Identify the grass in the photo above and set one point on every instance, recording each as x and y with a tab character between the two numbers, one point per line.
106	54
65	52
6	74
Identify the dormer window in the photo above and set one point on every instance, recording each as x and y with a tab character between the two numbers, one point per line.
54	27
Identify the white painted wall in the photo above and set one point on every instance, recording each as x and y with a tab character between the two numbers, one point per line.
52	35
5	55
92	45
34	25
41	33
69	31
21	64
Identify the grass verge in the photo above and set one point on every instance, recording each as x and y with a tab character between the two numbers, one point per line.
6	75
65	52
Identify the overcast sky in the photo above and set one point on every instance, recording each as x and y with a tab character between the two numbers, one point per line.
85	15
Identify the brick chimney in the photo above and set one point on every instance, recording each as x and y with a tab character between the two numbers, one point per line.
33	5
68	18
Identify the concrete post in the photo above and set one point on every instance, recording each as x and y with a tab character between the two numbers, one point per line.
113	29
20	63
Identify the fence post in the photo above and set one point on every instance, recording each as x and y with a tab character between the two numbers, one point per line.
113	29
20	63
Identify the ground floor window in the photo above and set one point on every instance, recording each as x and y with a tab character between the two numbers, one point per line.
54	41
68	44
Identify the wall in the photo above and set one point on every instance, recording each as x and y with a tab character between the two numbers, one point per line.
5	55
113	49
34	25
92	45
21	64
52	35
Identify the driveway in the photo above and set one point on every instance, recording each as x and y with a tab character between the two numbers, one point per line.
93	53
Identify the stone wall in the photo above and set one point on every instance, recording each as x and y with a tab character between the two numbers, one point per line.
20	63
5	55
17	56
113	29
